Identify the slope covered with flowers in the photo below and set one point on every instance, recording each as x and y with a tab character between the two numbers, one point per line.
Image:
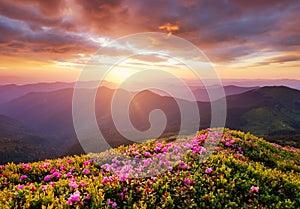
242	172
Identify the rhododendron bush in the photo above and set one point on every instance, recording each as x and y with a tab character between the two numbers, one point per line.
243	171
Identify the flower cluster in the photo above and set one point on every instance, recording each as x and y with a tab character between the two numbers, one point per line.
75	197
162	174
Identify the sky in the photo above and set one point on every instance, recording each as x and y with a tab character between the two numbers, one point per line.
45	41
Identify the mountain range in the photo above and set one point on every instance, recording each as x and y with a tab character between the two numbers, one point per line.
44	119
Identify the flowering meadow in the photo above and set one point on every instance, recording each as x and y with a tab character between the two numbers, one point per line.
242	171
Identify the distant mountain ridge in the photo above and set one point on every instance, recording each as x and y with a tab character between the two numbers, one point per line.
12	91
272	112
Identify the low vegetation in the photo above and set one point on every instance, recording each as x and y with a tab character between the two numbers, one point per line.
243	171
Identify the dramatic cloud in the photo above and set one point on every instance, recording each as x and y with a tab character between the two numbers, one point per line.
280	59
18	38
225	30
31	13
169	28
283	59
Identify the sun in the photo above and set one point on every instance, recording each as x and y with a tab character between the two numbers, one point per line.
119	75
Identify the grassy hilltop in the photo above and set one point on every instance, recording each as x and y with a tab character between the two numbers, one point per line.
243	171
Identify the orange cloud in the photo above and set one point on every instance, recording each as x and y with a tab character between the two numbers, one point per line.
169	28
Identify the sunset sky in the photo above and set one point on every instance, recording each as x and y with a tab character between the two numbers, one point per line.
45	41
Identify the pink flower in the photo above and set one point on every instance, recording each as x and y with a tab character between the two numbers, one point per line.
159	144
136	154
208	170
45	165
75	197
105	180
56	175
87	197
157	149
20	187
201	138
26	166
122	177
73	184
70	161
87	162
69	174
183	165
147	154
47	178
240	149
52	170
85	171
227	144
115	160
82	184
147	162
109	202
62	167
198	150
254	189
44	188
165	149
114	205
23	177
167	163
187	182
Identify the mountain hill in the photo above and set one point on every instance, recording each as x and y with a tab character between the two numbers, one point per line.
267	111
242	171
10	127
201	94
21	144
